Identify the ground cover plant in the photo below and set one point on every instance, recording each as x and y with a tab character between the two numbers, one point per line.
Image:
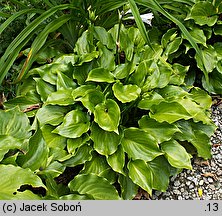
114	108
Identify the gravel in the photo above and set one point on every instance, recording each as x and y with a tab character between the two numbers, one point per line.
204	181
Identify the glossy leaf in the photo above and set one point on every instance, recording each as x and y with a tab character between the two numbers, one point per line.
117	160
105	142
169	112
176	154
82	91
91	99
73	144
82	155
107	115
201	97
209	59
139	144
43	88
128	188
160	169
160	131
75	124
149	99
50	114
37	154
64	82
141	175
61	97
13	178
204	13
100	75
198	134
14	123
7	143
126	93
173	46
95	186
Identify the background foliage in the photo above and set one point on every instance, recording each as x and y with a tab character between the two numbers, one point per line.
105	104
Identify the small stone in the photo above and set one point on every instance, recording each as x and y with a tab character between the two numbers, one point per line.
180	198
201	182
188	183
191	186
182	190
177	192
176	183
210	180
212	187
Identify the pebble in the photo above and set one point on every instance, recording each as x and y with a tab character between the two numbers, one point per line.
184	186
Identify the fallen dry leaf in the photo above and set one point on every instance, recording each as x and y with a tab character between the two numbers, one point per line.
210	175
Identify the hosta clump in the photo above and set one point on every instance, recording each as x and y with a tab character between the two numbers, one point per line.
119	115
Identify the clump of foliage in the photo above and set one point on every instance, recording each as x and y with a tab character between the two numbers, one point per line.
122	111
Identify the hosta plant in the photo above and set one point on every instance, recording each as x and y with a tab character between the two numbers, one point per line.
103	121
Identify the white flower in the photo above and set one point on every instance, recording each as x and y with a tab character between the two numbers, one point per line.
146	18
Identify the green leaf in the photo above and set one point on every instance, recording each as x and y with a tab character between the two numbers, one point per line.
43	88
160	169
82	91
168	37
97	187
128	188
139	144
74	197
141	175
107	59
64	82
105	142
198	134
14	123
61	97
107	115
52	140
117	160
204	13
97	165
160	131
91	99
198	35
179	73
201	97
169	112
82	155
75	124
13	178
37	154
102	35
50	114
176	154
100	75
173	46
73	144
7	143
209	59
126	93
149	99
